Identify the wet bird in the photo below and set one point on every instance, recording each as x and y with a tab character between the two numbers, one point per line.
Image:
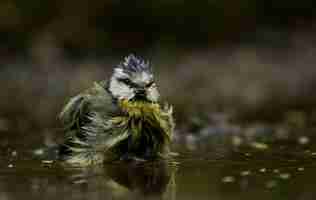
117	119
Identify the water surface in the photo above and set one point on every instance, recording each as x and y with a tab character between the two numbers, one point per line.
210	170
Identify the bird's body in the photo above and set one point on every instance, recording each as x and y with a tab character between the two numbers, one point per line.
112	121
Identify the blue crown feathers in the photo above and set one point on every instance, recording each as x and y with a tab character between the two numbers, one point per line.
133	64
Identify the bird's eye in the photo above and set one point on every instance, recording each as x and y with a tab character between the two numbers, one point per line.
126	81
150	84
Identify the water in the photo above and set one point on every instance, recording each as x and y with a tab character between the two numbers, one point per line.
214	171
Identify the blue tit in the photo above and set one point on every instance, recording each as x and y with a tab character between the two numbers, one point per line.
117	119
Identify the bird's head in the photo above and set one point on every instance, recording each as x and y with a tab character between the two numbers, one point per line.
133	80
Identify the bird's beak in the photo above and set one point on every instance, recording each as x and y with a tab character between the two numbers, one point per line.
141	92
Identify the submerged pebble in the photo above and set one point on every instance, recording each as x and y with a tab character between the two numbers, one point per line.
247	154
10	165
271	184
245	173
282	132
80	181
38	152
300	169
4	124
307	151
285	176
47	162
303	140
237	141
276	171
262	170
259	145
228	179
14	153
191	142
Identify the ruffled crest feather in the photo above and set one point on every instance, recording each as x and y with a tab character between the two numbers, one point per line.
132	64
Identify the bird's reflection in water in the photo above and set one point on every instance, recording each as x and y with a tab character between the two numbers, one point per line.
133	180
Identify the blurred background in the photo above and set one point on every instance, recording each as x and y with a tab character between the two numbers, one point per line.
241	76
214	60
